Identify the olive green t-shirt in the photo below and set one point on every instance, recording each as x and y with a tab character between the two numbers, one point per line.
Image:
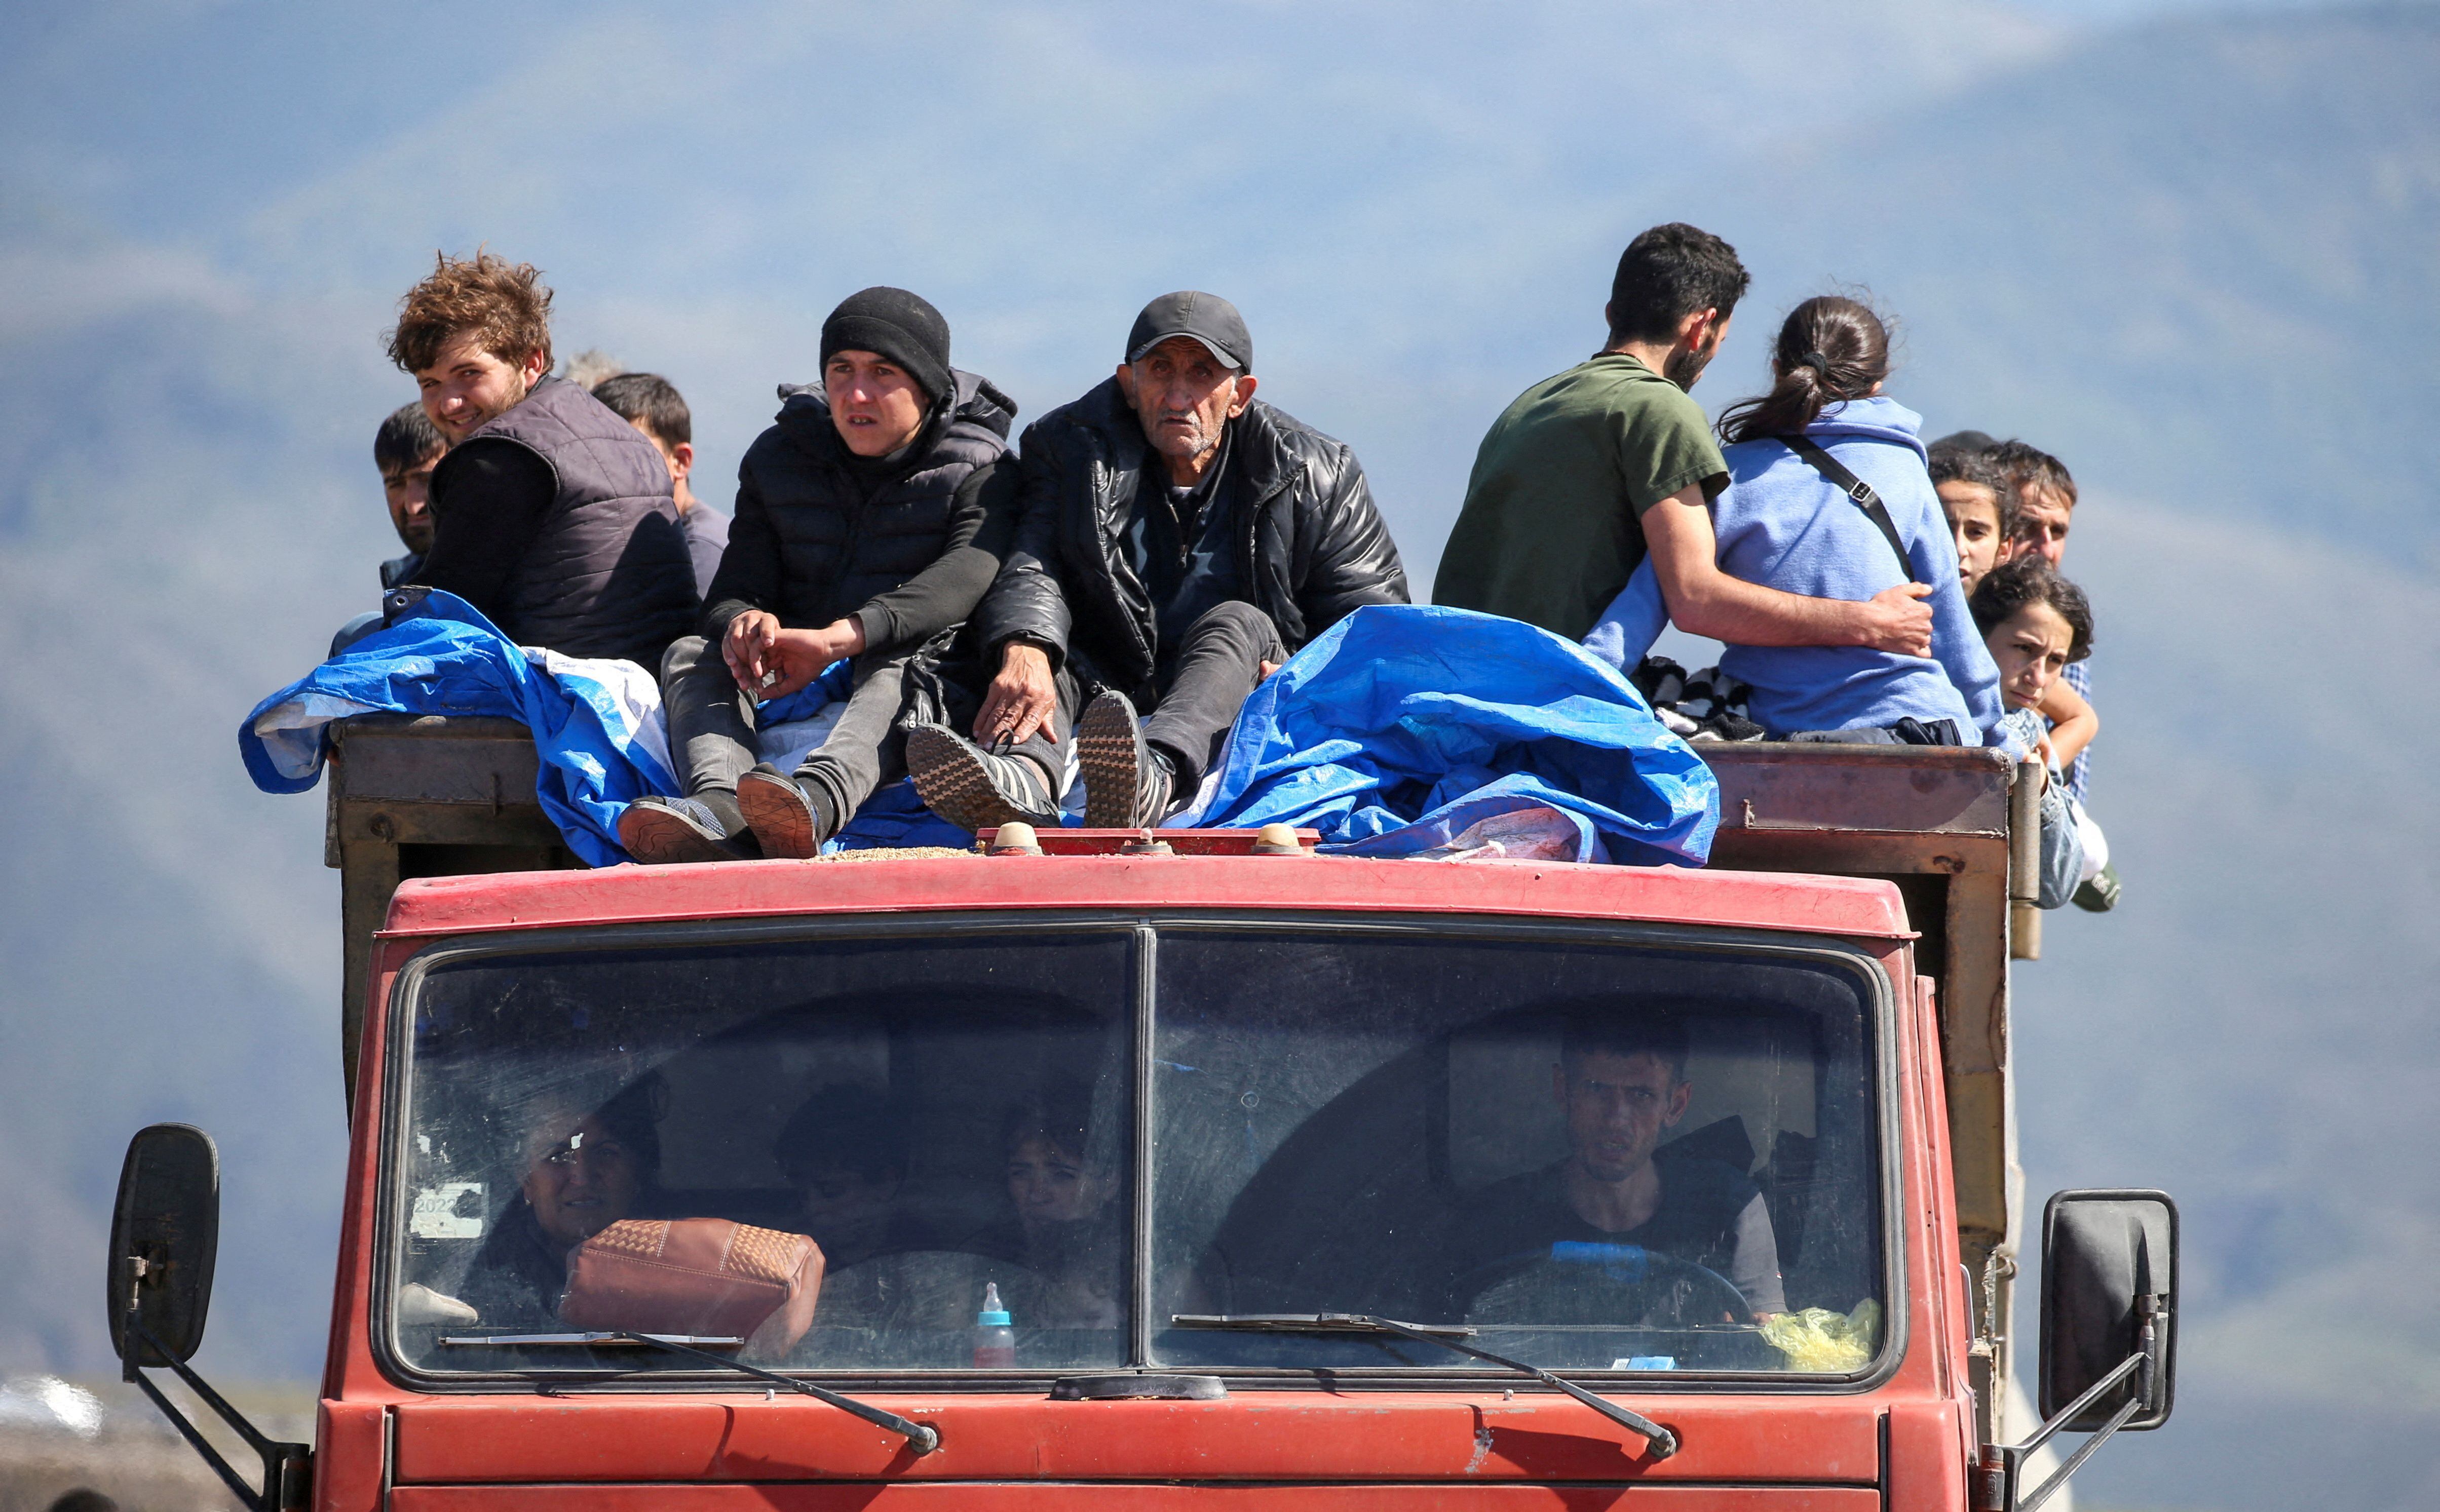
1551	530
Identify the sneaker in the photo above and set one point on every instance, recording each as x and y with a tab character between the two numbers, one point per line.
1126	783
970	787
786	817
666	832
2100	895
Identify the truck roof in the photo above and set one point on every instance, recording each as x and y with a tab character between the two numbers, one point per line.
872	882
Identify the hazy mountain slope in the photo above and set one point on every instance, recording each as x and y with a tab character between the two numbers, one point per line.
2252	1029
2215	298
2202	259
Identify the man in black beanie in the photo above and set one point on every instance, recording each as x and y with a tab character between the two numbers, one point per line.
870	518
1180	539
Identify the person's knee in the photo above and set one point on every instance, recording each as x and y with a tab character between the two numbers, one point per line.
683	653
1242	623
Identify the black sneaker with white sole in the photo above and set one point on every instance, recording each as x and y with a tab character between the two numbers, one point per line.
1126	783
970	787
667	831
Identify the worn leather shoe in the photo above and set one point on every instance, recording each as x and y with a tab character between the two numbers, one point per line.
1126	783
785	818
970	787
664	831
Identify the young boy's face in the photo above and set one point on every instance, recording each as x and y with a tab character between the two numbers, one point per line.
2042	521
1974	517
2031	647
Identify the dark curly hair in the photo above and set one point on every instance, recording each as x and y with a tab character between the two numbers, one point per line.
504	301
1959	464
2029	579
2028	466
1830	347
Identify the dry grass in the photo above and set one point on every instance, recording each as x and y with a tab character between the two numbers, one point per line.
136	1458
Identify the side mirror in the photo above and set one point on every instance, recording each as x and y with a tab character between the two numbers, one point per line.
164	1234
2109	1288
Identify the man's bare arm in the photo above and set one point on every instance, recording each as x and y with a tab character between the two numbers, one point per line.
1703	601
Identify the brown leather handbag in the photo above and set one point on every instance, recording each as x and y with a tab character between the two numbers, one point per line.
695	1275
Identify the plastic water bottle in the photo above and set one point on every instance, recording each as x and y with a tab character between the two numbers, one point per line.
995	1341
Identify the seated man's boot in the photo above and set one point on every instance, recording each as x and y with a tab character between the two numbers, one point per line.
1127	783
972	789
789	818
708	827
2100	894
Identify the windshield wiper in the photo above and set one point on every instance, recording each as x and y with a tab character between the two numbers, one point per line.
1660	1440
921	1438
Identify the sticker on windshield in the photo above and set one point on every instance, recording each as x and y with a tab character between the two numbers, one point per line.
453	1210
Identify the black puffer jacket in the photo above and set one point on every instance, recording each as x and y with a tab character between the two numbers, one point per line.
908	553
1311	546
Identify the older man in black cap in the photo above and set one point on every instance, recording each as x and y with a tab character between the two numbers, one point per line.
1179	539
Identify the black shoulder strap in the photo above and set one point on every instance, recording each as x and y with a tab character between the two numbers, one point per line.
1856	488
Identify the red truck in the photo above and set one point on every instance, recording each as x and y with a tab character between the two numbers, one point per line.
1178	1169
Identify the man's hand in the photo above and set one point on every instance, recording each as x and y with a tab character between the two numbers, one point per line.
1020	699
750	637
1896	620
771	663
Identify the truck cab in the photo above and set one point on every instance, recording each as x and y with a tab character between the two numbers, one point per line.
1182	1169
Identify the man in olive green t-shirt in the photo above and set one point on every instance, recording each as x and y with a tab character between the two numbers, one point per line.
1589	470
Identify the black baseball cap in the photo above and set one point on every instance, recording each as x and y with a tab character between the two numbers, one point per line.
1208	318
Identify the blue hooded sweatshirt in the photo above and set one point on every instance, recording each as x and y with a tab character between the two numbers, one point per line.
1784	525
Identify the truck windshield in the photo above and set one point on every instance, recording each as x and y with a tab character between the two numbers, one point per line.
1598	1155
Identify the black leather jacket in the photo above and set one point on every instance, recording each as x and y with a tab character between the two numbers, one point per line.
1312	547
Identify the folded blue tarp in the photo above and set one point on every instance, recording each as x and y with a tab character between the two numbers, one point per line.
1406	730
597	724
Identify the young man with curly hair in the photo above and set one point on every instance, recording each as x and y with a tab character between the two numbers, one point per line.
550	514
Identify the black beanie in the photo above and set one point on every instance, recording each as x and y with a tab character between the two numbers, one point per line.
898	326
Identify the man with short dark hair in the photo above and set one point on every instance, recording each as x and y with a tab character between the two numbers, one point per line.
1621	1085
406	449
652	405
551	515
1180	539
1588	471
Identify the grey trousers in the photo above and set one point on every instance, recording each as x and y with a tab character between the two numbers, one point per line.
1219	661
712	724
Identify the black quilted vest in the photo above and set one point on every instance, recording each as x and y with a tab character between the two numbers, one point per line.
608	574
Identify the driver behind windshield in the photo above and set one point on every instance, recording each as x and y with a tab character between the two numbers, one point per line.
1621	1085
584	1171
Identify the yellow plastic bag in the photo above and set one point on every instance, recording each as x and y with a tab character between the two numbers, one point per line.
1820	1341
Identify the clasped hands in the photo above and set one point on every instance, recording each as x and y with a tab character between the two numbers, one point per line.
771	662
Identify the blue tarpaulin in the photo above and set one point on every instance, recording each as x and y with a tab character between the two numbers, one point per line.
1406	730
597	724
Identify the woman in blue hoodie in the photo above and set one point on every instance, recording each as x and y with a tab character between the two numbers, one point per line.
1804	461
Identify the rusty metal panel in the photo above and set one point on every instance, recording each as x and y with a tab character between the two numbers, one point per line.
1767	786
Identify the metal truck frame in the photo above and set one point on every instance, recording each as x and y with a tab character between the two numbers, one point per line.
1921	857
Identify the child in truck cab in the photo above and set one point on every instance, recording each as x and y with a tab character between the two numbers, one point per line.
2038	624
1828	498
871	519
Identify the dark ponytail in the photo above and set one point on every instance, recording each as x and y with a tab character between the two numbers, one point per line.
1830	349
